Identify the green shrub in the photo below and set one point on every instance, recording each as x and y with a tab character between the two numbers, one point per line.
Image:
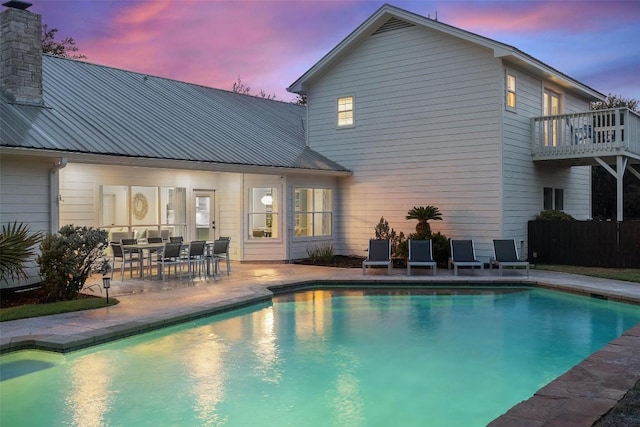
382	231
17	246
554	215
322	253
439	243
441	248
69	257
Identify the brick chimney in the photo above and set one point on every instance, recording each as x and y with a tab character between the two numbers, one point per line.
20	54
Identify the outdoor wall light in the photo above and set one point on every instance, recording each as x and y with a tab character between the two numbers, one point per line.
267	200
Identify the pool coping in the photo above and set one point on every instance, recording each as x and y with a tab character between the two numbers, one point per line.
579	397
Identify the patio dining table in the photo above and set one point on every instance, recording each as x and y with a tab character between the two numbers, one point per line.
150	248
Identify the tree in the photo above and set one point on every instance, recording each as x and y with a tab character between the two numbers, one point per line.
383	231
300	100
17	246
423	214
603	184
239	87
65	48
616	101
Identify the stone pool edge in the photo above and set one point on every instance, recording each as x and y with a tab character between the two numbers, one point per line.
579	397
69	343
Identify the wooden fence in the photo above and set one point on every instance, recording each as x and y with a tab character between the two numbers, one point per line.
585	243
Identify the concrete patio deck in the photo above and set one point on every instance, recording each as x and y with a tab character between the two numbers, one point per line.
577	398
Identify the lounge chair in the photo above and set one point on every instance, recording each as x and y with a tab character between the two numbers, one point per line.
506	255
463	254
420	255
379	254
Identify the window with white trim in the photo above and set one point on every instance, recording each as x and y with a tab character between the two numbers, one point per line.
553	198
142	210
345	111
511	91
313	212
263	213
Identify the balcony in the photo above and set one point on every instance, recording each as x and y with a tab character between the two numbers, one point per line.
581	138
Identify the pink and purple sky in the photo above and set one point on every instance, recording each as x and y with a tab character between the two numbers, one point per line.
269	44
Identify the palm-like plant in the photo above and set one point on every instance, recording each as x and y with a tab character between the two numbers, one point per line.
423	214
17	245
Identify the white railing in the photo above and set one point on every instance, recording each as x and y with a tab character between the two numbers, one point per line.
596	133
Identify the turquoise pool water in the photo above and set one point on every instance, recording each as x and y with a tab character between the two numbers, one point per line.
322	358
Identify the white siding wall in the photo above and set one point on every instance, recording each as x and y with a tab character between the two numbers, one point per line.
524	181
229	218
427	132
24	197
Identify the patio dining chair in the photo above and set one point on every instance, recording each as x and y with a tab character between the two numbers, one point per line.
170	255
125	258
220	252
195	256
153	252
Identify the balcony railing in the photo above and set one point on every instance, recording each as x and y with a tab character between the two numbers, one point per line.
593	134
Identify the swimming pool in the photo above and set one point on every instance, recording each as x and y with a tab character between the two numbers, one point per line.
326	357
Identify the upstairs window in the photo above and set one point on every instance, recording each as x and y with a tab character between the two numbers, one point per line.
511	91
345	111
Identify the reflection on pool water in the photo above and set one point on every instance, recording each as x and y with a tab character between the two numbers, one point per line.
318	358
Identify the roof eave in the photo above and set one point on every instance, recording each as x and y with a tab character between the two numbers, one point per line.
527	63
361	32
195	165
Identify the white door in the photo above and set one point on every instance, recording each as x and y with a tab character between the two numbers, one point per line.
204	211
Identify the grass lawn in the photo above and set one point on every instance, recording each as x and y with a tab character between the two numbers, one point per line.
626	274
34	310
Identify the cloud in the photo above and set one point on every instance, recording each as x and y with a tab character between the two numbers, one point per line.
537	16
214	42
269	44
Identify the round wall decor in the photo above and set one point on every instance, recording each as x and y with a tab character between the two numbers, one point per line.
140	206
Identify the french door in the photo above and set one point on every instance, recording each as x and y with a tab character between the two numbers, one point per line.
551	108
204	212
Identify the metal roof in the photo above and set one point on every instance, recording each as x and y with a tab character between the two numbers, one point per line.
97	110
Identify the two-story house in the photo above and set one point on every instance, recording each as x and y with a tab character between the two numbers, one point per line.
406	111
425	113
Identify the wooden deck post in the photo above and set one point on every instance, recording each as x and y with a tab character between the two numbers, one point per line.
621	165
